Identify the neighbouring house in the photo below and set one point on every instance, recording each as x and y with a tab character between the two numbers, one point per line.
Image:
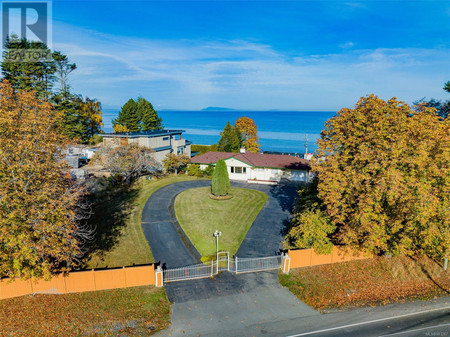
259	167
79	155
161	141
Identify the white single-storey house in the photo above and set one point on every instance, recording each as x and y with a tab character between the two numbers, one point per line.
259	167
161	141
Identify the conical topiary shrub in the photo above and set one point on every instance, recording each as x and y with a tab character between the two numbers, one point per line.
220	184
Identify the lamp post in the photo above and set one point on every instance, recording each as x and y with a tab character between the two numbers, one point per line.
216	234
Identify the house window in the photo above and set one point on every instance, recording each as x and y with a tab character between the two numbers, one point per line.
165	138
180	150
238	169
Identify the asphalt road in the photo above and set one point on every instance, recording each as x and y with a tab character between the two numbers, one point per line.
412	319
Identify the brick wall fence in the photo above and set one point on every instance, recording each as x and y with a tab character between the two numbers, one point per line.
82	281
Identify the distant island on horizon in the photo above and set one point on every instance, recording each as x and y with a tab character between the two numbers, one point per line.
217	108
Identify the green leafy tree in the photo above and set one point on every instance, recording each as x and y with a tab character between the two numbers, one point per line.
308	198
220	183
230	139
128	117
148	116
311	229
384	177
24	72
41	207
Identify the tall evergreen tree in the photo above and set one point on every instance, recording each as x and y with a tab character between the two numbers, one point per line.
63	69
148	116
28	74
128	117
82	118
230	139
220	182
447	86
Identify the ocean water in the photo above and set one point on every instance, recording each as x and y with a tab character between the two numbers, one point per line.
281	131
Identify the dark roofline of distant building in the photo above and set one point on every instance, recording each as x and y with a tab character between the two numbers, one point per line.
150	133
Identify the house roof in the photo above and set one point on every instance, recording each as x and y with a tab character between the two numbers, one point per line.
211	157
150	133
256	160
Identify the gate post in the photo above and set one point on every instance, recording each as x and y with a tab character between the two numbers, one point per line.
159	282
236	264
286	265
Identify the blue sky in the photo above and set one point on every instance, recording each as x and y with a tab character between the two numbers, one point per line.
257	55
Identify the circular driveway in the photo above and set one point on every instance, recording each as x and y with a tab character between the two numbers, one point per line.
228	304
172	248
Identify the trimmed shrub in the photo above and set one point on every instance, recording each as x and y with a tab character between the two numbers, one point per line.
193	169
209	170
220	184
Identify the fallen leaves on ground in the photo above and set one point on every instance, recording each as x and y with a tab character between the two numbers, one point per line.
136	311
367	282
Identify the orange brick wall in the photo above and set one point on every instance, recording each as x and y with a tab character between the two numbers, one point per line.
81	281
308	258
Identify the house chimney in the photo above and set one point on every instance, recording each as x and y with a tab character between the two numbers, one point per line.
242	149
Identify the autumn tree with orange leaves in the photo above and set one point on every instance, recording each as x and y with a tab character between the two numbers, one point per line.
249	133
41	208
384	178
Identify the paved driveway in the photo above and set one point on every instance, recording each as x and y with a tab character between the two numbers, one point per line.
165	235
170	246
208	305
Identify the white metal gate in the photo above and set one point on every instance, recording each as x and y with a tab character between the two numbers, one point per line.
254	264
188	273
224	263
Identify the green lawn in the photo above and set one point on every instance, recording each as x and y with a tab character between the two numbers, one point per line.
200	216
119	239
121	312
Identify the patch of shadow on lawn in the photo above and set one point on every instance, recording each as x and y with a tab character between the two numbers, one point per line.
111	207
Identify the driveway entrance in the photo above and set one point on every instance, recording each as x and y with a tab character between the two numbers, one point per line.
243	301
223	264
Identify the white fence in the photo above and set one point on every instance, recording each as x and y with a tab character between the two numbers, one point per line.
224	263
